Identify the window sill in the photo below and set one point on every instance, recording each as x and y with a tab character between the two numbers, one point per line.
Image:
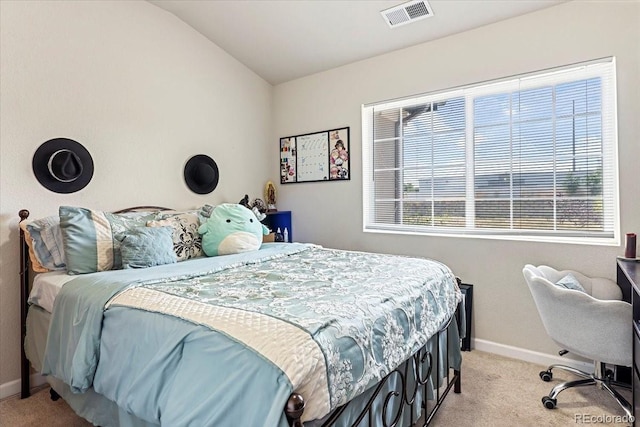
571	240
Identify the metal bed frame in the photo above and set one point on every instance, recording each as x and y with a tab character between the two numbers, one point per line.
412	376
418	368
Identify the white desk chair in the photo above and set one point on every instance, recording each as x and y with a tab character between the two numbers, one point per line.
592	323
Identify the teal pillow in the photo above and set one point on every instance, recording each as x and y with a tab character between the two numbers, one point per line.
570	282
143	247
231	229
89	237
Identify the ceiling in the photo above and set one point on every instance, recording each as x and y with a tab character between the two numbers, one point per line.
282	40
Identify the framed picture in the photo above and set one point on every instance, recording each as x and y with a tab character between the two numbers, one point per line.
313	157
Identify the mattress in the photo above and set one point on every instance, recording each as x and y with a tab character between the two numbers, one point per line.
46	287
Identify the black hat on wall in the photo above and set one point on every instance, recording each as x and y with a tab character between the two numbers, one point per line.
62	165
201	174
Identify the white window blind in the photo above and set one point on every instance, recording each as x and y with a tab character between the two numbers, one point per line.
530	157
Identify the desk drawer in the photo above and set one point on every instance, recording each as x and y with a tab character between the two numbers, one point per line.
636	350
635	406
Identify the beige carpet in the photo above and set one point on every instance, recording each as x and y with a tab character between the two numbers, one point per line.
496	391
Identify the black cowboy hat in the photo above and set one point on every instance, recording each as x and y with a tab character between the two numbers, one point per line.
62	165
201	174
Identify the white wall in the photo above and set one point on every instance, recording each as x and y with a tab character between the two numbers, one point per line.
143	92
571	32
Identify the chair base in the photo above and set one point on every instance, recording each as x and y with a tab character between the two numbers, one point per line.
601	378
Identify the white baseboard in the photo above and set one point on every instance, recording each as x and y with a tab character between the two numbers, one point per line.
14	387
529	355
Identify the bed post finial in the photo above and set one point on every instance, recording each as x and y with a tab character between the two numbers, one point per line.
294	409
24	214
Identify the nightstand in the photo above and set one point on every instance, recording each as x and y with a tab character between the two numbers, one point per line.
281	220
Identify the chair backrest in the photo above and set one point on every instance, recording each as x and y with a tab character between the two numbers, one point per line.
591	328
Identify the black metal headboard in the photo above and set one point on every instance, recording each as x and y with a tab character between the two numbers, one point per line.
24	295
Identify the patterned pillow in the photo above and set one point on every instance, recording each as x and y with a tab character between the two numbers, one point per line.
36	266
89	237
187	242
570	282
44	238
143	247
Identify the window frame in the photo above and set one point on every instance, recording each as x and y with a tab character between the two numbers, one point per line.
602	67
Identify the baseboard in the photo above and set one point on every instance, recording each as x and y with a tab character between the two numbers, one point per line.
14	387
529	355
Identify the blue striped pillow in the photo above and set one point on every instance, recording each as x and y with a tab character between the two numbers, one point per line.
47	243
89	237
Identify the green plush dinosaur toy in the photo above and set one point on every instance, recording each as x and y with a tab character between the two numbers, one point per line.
231	229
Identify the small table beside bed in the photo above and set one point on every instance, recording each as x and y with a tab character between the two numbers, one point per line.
288	335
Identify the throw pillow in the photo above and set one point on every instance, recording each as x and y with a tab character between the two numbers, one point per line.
570	282
89	237
44	237
143	247
36	266
187	243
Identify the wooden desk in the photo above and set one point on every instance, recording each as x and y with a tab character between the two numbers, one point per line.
628	278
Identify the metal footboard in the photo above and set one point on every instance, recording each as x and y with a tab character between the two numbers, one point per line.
416	382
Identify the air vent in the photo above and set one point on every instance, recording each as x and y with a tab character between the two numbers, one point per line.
406	13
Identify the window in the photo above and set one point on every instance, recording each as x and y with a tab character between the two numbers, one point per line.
531	157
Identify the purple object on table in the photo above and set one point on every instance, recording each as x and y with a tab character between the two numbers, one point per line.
630	247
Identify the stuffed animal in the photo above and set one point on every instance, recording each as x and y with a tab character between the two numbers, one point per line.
231	229
258	207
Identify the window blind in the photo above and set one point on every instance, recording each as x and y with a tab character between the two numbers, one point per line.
527	157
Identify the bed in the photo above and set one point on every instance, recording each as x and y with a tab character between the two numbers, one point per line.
289	335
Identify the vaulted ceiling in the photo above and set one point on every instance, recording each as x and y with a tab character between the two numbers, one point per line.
281	40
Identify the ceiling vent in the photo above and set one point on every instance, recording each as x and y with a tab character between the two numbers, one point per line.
406	13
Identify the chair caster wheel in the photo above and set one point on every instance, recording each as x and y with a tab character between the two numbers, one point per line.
549	403
546	376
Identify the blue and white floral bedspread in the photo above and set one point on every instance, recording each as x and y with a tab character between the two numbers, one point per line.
360	314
